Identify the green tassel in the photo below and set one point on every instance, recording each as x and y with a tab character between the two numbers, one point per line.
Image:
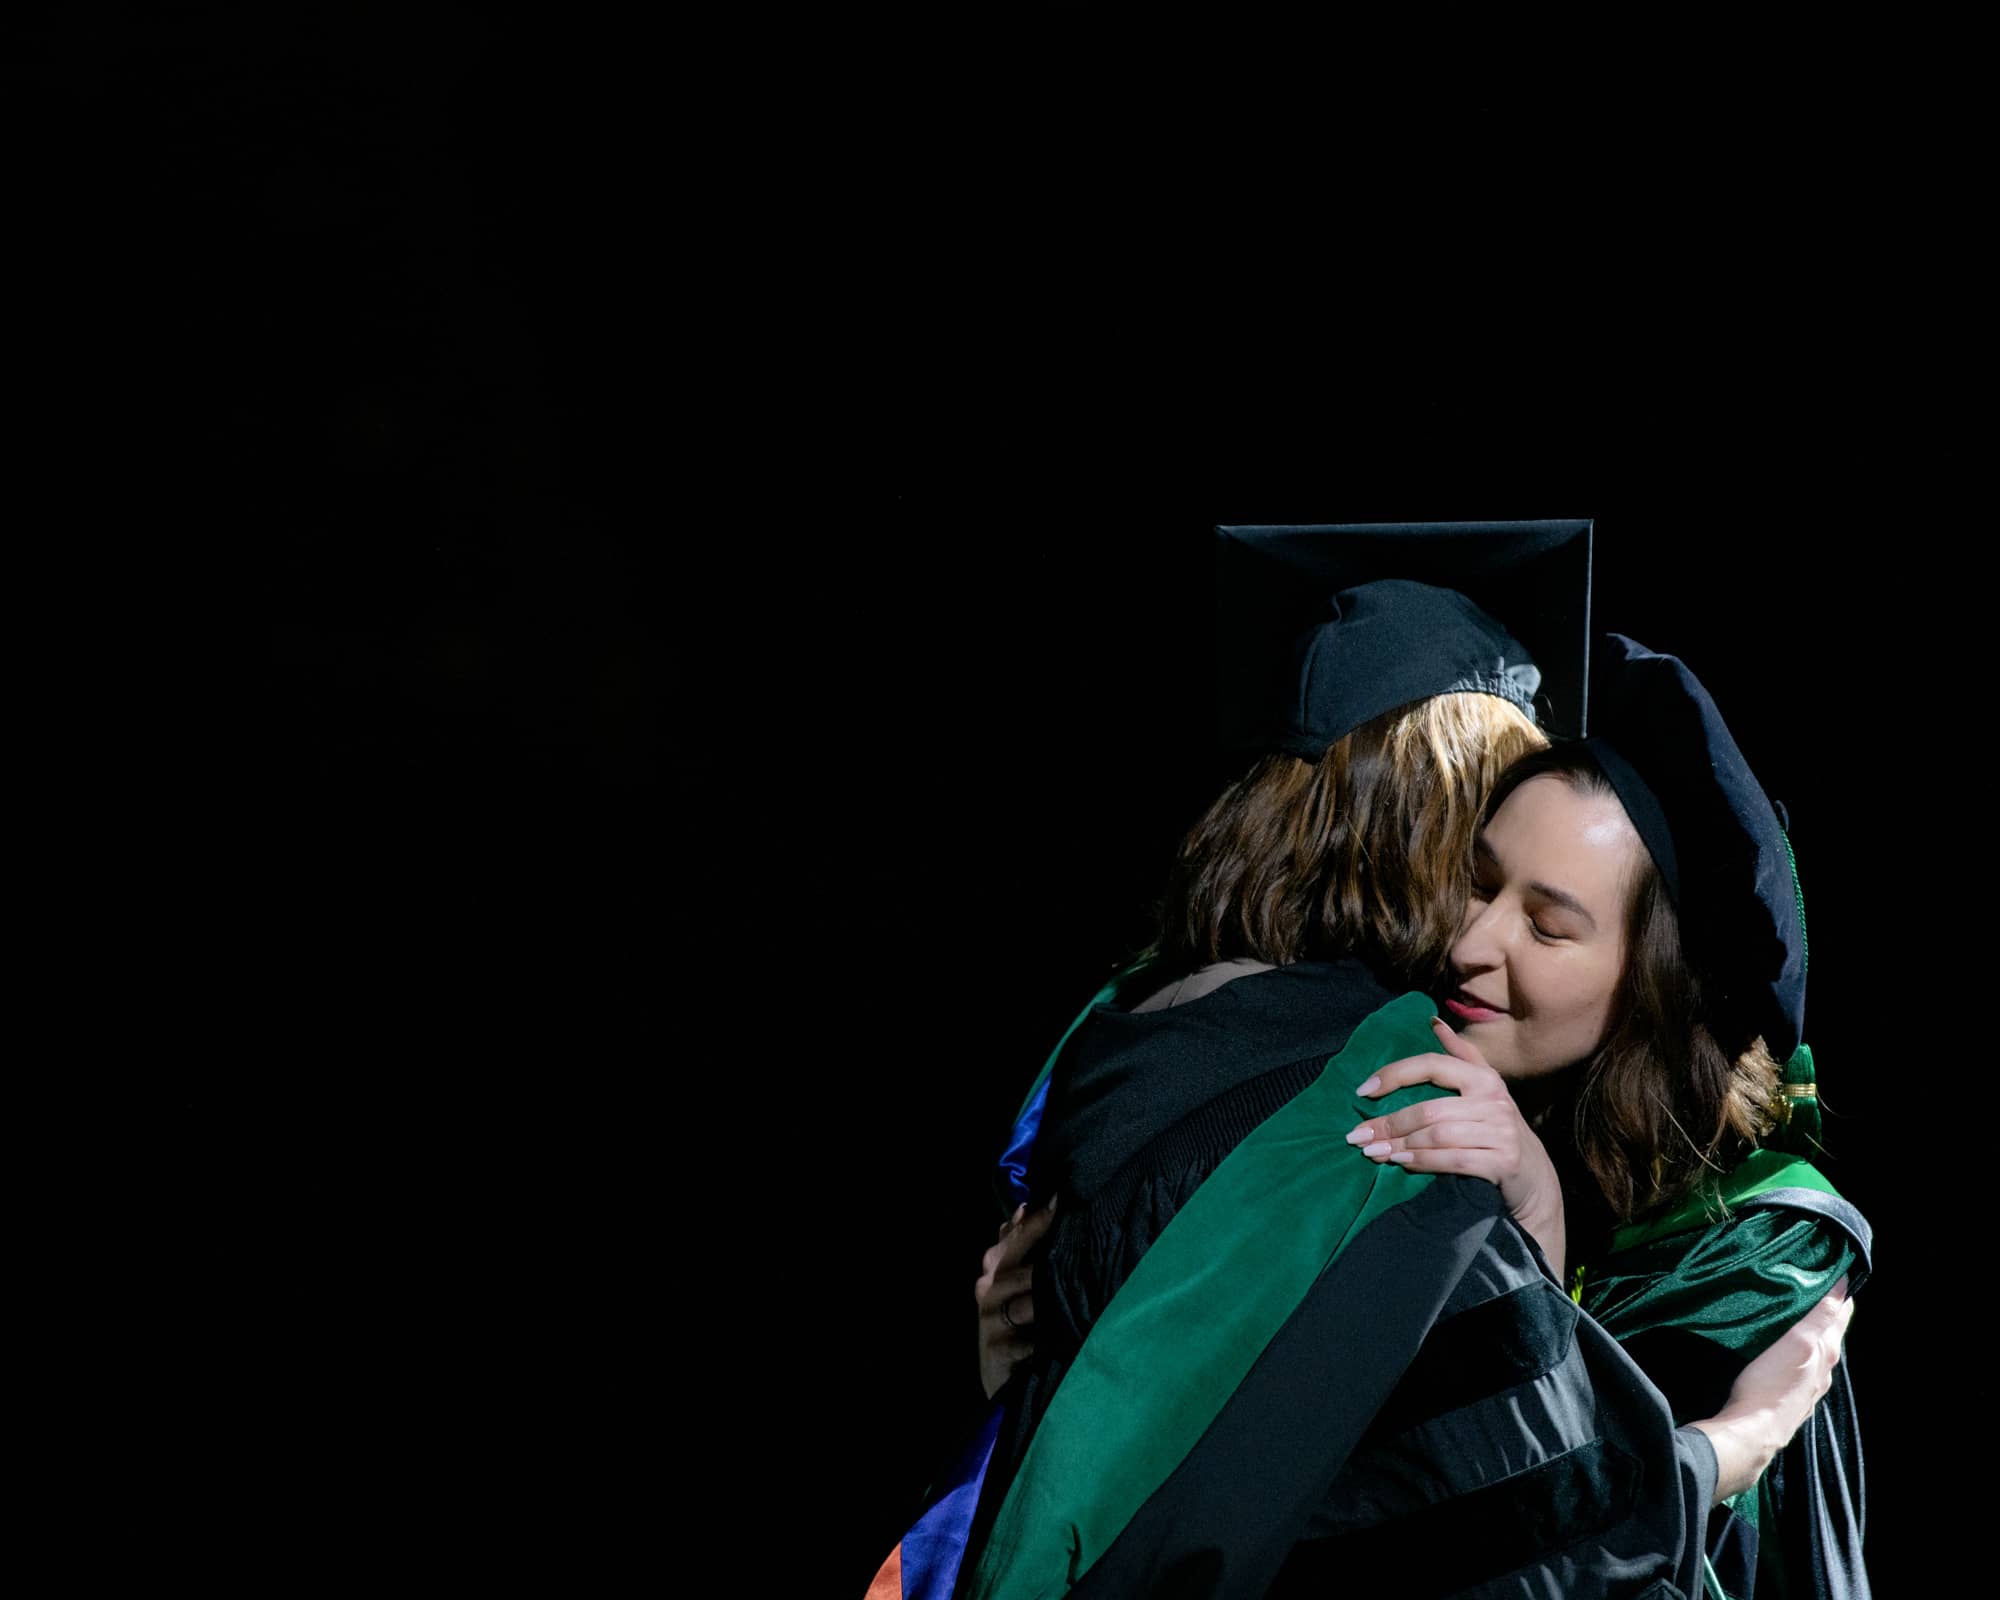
1800	1130
1801	1091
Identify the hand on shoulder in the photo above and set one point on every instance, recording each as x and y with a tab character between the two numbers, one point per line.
1478	1132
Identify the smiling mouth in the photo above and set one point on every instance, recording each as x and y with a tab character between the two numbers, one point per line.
1468	1010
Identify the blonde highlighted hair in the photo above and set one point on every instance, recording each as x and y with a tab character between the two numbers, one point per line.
1365	852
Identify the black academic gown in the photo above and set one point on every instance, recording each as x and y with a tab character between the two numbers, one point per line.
1436	1417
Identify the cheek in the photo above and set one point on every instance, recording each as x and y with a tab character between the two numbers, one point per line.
1595	999
1574	999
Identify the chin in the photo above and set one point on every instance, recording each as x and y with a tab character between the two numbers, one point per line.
1529	1071
1508	1061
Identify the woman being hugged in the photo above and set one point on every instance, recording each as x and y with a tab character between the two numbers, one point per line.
1627	993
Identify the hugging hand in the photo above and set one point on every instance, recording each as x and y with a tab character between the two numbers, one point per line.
1774	1394
1478	1133
1006	1298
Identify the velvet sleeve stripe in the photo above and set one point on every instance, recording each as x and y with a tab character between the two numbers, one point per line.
1290	1461
1511	1339
1473	1538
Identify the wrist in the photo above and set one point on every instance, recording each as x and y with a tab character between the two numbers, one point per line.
1545	1227
1746	1439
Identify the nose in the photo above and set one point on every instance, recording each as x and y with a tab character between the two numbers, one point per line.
1479	946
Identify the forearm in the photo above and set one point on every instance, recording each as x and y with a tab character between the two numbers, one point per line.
1745	1442
1774	1395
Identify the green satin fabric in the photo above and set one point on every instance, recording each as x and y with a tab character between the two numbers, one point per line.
1738	1279
1740	1282
1177	1338
1759	1171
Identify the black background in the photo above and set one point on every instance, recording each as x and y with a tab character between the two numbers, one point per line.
717	655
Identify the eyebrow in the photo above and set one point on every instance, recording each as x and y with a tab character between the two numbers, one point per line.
1547	891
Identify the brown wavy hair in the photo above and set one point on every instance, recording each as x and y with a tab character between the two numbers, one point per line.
1664	1098
1366	852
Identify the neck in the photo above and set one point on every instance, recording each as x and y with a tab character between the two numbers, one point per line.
1537	1098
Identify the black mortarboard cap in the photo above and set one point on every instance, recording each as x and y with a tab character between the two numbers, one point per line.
1423	609
1716	837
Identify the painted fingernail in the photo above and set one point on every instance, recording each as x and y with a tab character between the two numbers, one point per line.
1378	1149
1370	1085
1403	1158
1361	1135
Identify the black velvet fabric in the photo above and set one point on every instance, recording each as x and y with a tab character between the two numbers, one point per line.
1713	832
1452	1546
1511	1339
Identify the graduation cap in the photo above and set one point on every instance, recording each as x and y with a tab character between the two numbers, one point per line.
1321	627
1719	842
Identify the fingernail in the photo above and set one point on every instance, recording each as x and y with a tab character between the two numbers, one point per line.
1361	1135
1403	1158
1378	1149
1370	1085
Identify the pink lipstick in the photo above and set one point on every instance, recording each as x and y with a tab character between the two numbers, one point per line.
1465	1011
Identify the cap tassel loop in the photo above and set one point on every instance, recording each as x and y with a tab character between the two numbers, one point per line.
1801	1116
